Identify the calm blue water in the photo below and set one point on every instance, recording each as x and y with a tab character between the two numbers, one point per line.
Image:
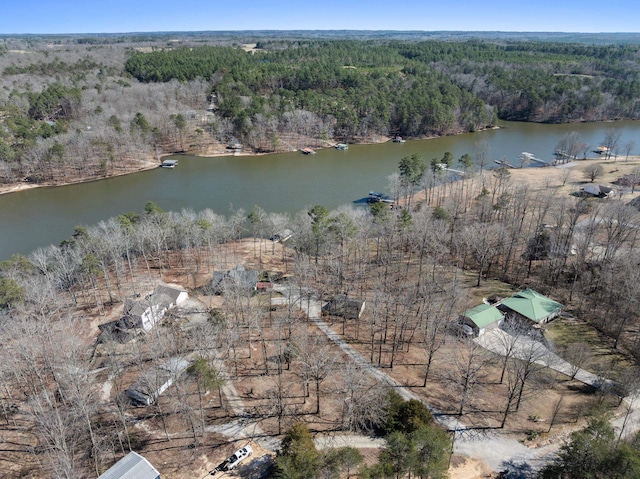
286	182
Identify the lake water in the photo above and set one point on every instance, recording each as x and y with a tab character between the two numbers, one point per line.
287	182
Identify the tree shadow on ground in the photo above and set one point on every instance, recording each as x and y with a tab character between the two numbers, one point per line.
516	470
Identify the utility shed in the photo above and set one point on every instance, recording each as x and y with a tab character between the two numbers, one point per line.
599	191
236	278
344	307
131	466
482	318
156	380
532	305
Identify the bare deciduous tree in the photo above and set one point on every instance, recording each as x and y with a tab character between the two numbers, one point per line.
362	400
577	355
469	362
593	172
317	361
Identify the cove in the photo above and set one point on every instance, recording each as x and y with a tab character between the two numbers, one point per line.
284	182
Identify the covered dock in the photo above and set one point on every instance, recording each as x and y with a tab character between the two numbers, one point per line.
169	163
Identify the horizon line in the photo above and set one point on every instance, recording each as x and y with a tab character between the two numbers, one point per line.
158	32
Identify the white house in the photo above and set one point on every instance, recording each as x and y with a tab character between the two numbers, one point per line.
147	312
177	294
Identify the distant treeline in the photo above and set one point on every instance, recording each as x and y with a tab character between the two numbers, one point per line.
410	88
72	109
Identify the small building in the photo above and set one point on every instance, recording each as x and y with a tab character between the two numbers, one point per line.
264	286
156	380
482	318
599	191
282	236
131	466
532	305
169	163
238	277
344	307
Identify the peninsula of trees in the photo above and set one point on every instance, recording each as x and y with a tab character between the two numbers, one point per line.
74	108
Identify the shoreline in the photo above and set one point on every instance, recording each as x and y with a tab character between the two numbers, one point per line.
562	179
150	165
24	186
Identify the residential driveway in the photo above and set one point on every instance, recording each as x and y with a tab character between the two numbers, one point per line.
497	340
495	448
629	424
525	348
245	426
347	440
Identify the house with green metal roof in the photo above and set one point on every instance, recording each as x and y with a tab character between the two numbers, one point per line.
532	305
481	318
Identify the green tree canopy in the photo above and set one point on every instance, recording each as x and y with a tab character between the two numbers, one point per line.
594	453
298	457
412	169
406	416
11	293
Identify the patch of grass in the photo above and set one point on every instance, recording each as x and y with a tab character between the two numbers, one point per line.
487	288
563	332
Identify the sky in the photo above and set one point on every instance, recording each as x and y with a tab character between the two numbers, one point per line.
122	16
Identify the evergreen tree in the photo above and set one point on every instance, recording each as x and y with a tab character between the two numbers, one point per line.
298	458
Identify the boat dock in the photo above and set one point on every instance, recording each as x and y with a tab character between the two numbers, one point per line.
375	197
504	163
169	163
525	156
444	167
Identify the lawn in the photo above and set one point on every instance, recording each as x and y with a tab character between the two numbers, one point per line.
566	331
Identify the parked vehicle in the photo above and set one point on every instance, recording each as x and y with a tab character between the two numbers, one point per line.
236	458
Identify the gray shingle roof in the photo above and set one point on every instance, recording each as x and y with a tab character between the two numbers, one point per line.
131	466
171	291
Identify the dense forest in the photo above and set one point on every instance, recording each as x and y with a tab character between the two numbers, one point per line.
76	108
417	88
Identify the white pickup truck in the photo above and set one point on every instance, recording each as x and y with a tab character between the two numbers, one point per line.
235	459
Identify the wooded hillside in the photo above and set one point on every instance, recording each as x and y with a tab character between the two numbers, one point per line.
78	108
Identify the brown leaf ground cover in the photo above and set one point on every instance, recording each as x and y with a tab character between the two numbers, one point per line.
160	433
